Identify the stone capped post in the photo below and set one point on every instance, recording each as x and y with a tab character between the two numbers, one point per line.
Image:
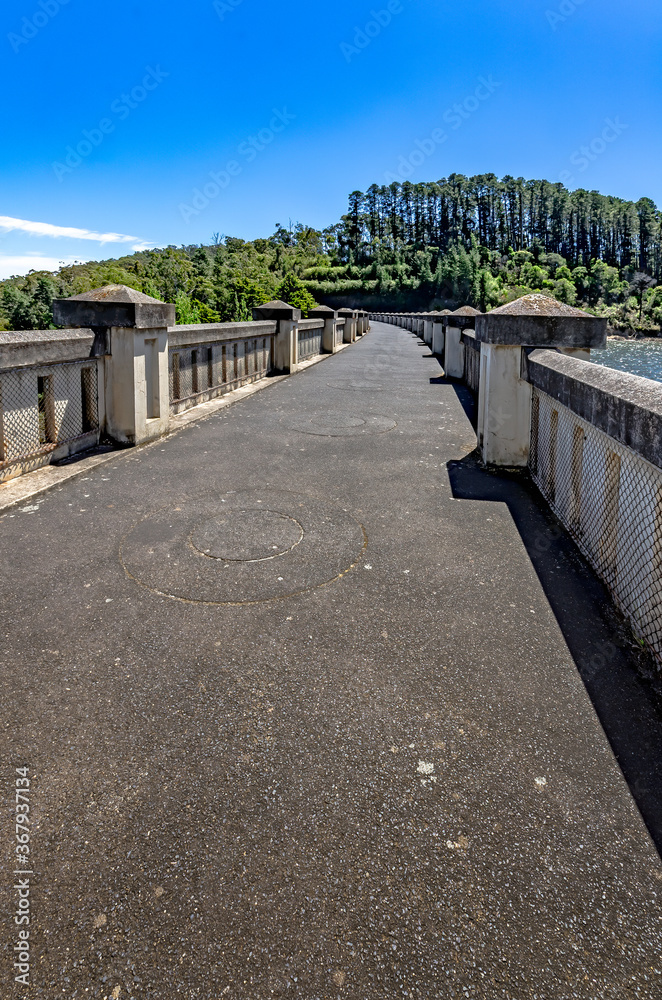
349	315
463	318
504	403
330	317
363	322
438	337
286	360
428	328
135	326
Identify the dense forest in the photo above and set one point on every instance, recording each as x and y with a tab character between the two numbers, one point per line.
476	240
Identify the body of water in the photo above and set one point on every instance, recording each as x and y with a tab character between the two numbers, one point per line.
640	357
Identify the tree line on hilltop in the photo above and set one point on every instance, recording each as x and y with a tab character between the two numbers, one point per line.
476	240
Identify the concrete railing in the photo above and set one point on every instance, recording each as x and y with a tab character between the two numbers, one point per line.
121	369
51	396
311	335
590	437
210	360
596	456
441	331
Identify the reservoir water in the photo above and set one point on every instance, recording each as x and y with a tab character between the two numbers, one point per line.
640	357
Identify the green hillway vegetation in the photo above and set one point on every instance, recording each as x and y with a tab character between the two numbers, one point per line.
462	240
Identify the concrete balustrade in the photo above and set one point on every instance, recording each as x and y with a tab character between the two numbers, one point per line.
493	367
121	369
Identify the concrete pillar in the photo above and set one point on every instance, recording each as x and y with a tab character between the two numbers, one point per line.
454	357
349	315
137	397
287	346
286	352
329	335
136	381
504	402
504	407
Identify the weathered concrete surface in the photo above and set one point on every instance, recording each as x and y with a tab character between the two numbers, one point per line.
20	349
239	800
627	407
114	306
540	321
199	333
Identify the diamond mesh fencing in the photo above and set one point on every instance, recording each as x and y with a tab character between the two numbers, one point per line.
204	371
43	408
610	500
310	343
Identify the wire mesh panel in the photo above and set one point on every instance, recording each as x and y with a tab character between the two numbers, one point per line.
310	343
44	408
610	499
204	371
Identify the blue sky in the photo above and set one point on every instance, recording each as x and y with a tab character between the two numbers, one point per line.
115	115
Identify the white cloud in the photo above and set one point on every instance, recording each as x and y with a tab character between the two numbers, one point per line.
11	264
8	225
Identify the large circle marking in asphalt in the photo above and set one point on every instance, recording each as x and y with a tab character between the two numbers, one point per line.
242	548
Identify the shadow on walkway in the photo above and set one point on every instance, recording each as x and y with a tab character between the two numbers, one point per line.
618	675
464	395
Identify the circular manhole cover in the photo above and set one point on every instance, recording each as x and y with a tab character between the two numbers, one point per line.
242	548
247	536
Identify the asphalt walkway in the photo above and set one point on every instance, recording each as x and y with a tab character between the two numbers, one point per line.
300	694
